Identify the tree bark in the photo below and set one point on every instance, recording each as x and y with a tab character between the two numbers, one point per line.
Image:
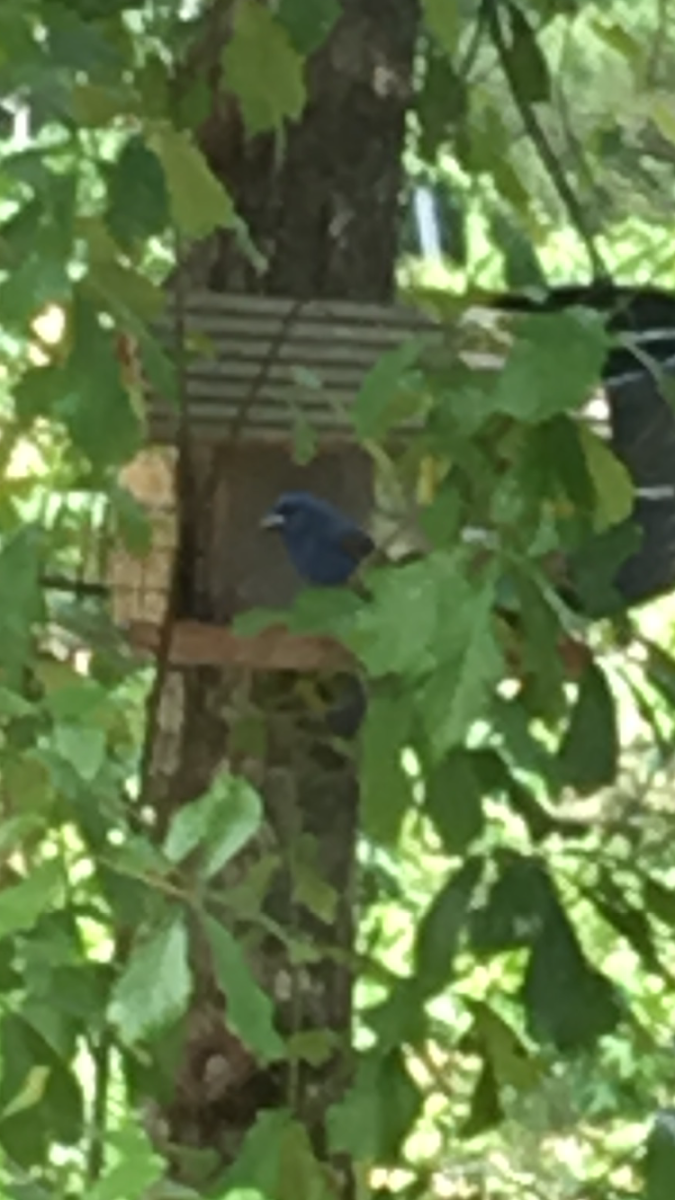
325	214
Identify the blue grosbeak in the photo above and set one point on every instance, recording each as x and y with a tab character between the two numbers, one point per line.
324	545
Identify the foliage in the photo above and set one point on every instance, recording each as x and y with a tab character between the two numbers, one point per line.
518	882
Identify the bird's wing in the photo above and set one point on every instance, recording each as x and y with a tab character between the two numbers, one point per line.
357	544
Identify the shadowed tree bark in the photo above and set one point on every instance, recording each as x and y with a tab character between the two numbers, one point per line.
325	214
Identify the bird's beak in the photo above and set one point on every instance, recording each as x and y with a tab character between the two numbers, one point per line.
272	521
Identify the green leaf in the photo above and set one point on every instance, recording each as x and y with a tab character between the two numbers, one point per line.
459	691
30	1094
522	267
199	202
659	900
92	401
513	1064
454	800
263	69
21	905
517	907
568	1002
55	1116
659	1167
94	105
385	396
82	746
277	1160
441	927
589	751
442	18
20	600
401	1017
529	63
249	1011
314	1046
441	105
613	485
378	1113
386	787
220	823
485	1109
155	986
135	1170
128	294
554	365
308	22
138	198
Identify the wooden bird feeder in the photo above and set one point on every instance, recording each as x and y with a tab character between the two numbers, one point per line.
260	372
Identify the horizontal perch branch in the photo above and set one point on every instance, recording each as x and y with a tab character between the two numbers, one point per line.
194	644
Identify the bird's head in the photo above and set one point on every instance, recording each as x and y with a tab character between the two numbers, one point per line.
324	545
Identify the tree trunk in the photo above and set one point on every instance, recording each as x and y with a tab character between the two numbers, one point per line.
325	213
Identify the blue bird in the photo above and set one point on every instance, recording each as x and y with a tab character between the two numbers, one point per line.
324	545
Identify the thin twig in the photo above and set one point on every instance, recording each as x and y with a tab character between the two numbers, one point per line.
541	143
184	493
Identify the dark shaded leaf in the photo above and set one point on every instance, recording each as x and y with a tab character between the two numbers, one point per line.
441	927
485	1111
568	1002
518	906
138	197
441	105
308	22
527	57
386	788
659	1167
589	751
659	900
454	800
400	1018
522	268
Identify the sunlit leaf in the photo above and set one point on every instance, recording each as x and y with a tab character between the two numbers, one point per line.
443	20
82	746
22	904
155	986
613	485
263	69
249	1011
199	201
385	395
220	823
378	1113
554	366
